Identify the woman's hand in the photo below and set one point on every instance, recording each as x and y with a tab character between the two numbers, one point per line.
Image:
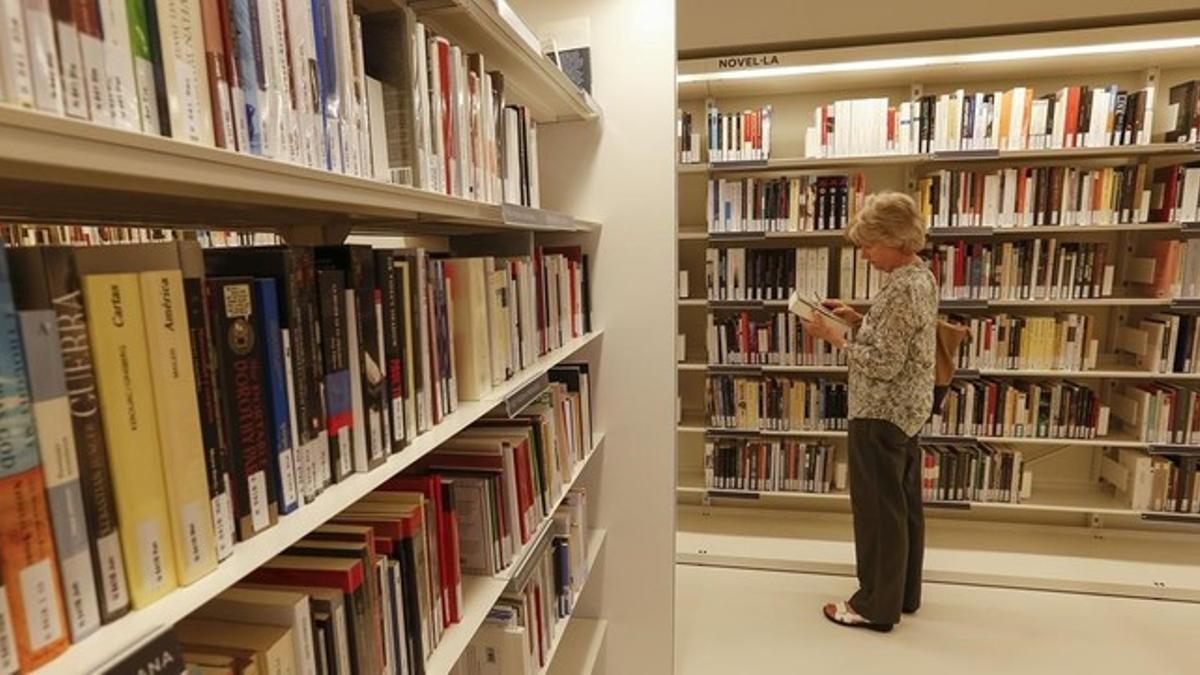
820	328
844	312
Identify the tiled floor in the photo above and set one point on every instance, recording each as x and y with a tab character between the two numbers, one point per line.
733	621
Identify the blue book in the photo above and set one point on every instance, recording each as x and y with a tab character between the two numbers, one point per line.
279	428
244	19
327	76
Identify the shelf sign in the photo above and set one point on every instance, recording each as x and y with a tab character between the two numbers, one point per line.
741	62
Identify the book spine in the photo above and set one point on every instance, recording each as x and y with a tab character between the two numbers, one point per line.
219	103
279	417
309	367
335	352
216	452
185	70
120	80
91	48
393	346
240	358
32	592
247	61
371	366
140	47
16	77
180	435
99	506
75	99
127	404
60	468
48	93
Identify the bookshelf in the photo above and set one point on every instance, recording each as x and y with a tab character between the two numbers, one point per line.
806	531
56	170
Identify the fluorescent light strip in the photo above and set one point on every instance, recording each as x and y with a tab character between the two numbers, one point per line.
947	60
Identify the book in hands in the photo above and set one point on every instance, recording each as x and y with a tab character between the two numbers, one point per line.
809	307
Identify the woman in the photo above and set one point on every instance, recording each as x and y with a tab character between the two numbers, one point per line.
891	362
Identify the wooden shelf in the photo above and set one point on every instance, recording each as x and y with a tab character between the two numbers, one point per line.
94	651
529	78
54	169
939	159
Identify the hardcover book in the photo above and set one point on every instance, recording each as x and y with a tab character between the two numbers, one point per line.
51	413
32	591
118	337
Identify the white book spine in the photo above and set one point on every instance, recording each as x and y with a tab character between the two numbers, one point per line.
70	60
16	77
185	70
43	57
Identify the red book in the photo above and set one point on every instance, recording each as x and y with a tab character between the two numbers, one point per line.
432	487
1072	121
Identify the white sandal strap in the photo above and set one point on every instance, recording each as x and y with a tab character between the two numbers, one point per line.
844	614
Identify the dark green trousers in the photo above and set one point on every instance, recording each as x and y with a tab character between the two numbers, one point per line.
889	523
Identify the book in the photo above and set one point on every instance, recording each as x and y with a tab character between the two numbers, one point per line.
70	60
472	351
56	440
809	307
279	417
168	342
185	70
141	47
205	374
16	69
335	354
269	648
271	607
241	359
108	565
33	592
159	652
116	330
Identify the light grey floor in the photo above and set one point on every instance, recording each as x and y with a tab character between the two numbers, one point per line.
731	621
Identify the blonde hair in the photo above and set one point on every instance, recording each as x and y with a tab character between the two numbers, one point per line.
889	219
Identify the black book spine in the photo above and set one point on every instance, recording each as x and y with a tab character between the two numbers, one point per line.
312	370
240	359
161	654
372	368
160	80
95	479
393	345
335	354
212	432
586	290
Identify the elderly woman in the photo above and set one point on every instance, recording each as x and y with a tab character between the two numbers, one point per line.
891	362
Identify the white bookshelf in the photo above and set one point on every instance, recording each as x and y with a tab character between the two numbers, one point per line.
56	170
761	529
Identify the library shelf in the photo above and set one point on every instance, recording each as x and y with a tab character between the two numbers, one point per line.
942	233
941	158
1056	499
959	304
579	648
529	77
98	649
480	594
54	169
596	539
1089	560
1103	373
694	424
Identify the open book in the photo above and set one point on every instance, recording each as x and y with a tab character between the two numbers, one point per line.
809	306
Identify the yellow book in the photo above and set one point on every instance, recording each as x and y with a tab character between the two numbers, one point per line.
169	348
118	337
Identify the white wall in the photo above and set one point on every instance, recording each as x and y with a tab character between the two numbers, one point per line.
712	24
622	173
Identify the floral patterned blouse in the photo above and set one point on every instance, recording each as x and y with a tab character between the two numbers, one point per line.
891	355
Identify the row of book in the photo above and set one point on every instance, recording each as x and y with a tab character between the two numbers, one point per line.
1065	341
1017	119
1163	342
765	274
787	204
775	403
312	83
762	465
375	588
1033	196
1166	268
738	136
263	375
777	340
520	631
986	407
1036	269
1162	483
687	138
857	278
973	473
1160	412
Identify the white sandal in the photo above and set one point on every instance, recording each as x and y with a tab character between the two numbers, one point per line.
843	614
